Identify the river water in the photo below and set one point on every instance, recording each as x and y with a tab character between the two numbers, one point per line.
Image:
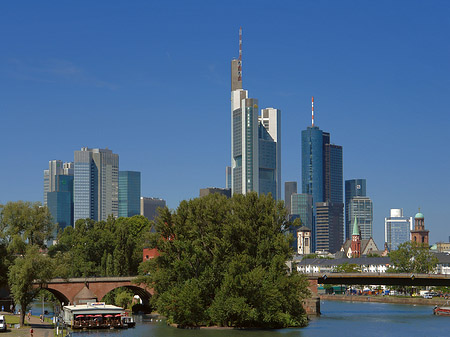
338	319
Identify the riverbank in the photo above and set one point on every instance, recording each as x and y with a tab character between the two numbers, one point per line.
40	329
385	299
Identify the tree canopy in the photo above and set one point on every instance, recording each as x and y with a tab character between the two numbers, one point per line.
103	248
412	257
222	262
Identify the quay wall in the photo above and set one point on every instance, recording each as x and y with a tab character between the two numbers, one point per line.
385	299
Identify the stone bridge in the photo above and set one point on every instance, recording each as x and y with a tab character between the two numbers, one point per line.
79	290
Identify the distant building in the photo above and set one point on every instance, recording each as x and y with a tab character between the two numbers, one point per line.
322	177
420	234
60	201
290	187
353	188
149	207
329	226
255	141
210	190
96	184
302	206
362	209
443	247
397	228
55	168
129	193
304	241
366	264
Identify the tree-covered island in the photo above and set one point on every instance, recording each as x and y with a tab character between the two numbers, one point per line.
222	262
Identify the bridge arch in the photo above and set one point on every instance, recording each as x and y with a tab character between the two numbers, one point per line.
59	295
137	290
74	290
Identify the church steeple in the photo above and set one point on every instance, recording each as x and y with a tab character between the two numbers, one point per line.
356	240
355	227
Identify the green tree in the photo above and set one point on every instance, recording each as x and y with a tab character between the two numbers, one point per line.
222	262
26	222
348	268
32	266
412	257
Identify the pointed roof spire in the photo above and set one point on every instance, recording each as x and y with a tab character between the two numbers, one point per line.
355	227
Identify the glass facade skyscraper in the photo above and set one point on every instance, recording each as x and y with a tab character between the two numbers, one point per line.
96	184
290	187
255	142
353	188
129	193
60	201
302	205
397	228
362	209
322	177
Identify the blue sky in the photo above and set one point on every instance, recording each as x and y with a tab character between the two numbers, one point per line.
151	81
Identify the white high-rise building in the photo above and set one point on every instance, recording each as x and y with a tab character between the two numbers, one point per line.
255	140
96	184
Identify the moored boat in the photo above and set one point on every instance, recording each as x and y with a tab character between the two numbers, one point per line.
128	322
442	310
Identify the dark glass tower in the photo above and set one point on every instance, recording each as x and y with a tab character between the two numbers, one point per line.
129	193
353	188
322	177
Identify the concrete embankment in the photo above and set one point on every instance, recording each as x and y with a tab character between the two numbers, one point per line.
385	299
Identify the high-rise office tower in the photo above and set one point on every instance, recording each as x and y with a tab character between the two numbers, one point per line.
255	140
290	187
129	193
322	177
361	209
270	152
353	188
302	205
55	168
397	228
329	226
149	207
96	184
60	201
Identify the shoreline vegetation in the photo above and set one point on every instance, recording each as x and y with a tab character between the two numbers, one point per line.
385	299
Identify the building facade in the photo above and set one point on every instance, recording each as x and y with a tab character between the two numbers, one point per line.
96	184
149	207
329	226
361	208
322	177
353	188
129	193
290	188
60	201
397	228
302	205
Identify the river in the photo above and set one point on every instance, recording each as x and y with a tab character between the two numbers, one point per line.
338	319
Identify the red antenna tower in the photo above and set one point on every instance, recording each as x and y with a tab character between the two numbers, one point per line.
312	111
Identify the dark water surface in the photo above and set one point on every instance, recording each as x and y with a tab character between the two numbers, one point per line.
338	319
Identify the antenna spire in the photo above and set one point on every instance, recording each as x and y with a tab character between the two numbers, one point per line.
240	43
312	110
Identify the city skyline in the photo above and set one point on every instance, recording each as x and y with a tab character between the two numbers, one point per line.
155	90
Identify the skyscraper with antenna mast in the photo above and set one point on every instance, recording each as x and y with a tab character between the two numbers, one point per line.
255	140
322	177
